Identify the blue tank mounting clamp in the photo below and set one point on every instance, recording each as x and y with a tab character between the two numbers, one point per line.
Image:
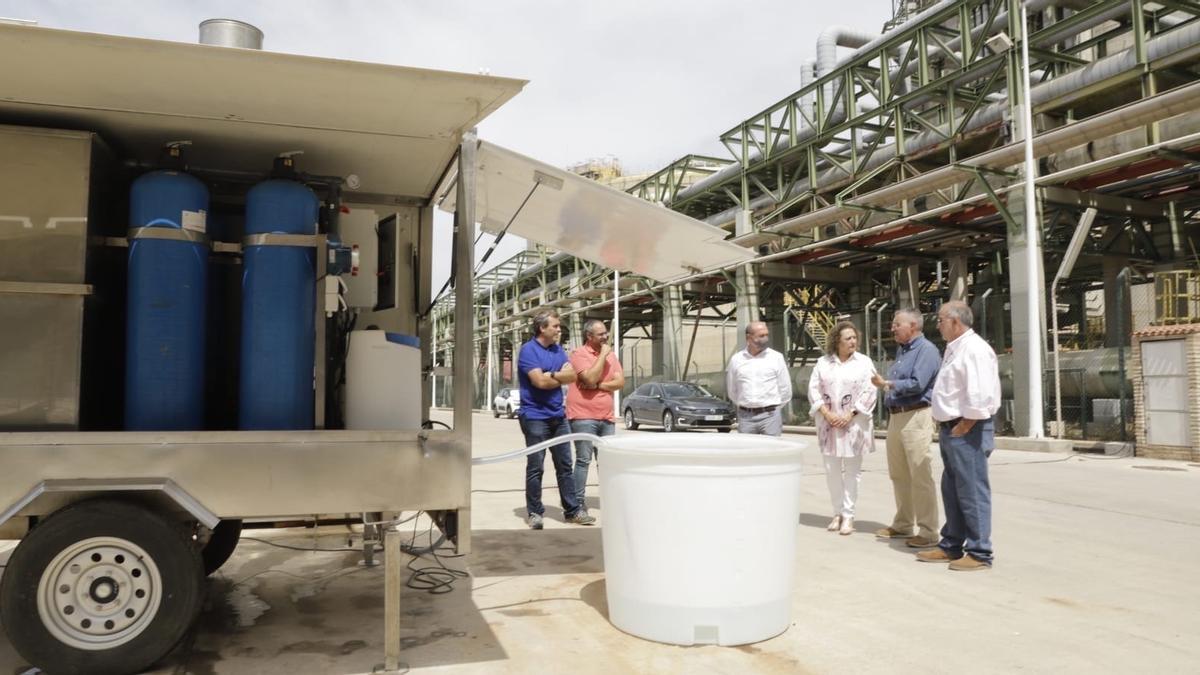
273	239
168	233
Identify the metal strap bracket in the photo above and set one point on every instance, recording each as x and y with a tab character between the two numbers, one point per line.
43	288
168	233
273	239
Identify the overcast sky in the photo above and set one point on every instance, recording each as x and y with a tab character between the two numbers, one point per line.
643	81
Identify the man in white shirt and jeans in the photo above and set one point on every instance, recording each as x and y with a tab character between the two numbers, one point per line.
758	383
965	397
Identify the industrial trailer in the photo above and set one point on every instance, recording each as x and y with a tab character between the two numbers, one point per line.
165	377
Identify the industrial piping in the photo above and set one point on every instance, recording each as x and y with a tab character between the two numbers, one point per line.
1185	38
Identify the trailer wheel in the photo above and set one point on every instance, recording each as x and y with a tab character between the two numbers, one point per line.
221	544
101	586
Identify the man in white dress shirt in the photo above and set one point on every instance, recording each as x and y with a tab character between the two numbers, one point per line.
965	397
759	384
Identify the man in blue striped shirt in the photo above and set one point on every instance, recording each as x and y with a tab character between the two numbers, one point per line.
909	388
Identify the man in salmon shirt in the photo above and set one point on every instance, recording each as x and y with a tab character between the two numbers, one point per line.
590	398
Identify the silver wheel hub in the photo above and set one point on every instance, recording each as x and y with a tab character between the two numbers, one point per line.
99	593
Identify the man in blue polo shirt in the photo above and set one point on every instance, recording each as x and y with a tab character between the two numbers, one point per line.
542	370
909	389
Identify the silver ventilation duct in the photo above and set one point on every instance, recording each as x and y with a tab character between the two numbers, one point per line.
230	33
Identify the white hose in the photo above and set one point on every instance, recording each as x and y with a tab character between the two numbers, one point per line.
557	440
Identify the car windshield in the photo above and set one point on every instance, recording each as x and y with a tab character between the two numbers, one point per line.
684	390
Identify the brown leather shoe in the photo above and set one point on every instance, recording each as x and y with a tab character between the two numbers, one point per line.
968	564
936	555
920	542
889	533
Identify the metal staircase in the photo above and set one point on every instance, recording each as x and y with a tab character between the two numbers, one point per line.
814	310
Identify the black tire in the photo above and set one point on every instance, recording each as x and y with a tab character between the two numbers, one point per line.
668	421
511	414
93	535
221	545
725	430
630	422
495	411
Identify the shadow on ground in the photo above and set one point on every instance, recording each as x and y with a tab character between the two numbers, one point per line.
861	527
270	611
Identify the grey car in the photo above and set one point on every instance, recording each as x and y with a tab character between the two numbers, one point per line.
677	405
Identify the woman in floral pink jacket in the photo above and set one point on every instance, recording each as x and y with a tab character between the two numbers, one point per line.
843	403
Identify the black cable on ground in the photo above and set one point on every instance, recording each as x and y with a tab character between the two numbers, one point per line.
435	579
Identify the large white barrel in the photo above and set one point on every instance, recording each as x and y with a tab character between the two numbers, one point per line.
383	381
700	535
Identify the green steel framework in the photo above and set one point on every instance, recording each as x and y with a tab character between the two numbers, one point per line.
933	77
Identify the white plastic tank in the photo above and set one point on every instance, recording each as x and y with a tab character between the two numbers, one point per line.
700	535
383	381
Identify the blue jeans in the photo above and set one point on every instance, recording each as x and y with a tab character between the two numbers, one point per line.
966	492
537	431
584	452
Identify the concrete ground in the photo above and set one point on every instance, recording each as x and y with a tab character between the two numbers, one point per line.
1096	570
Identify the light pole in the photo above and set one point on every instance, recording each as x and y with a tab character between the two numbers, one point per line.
491	317
433	368
1032	250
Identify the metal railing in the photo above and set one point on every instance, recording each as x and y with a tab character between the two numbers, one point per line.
1176	297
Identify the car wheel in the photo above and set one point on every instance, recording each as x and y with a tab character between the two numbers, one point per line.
495	411
101	586
510	412
668	422
630	423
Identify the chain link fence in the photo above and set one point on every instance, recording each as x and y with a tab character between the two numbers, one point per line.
1092	394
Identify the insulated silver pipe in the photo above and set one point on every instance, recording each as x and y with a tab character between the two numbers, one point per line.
808	75
1174	102
867	325
828	42
1064	271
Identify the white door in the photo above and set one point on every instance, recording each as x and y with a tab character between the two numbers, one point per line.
1164	376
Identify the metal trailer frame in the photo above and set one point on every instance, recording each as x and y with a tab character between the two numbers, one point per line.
209	476
278	473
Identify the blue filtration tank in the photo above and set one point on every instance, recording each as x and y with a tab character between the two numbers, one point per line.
278	310
166	297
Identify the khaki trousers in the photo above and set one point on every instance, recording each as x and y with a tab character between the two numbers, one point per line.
910	466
